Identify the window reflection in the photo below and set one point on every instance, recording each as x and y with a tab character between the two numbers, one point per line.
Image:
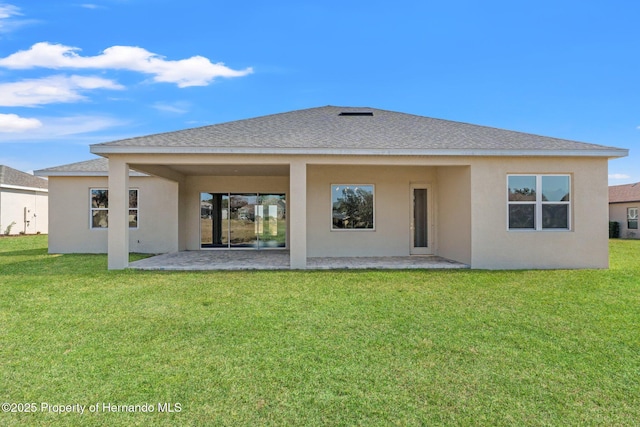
352	207
249	220
555	188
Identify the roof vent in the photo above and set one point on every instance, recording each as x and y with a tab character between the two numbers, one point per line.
356	113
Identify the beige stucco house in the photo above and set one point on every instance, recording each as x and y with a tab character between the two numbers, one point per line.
336	182
23	202
624	201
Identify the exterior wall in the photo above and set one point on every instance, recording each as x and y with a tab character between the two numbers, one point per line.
469	202
618	213
12	205
392	203
454	213
69	216
194	185
584	246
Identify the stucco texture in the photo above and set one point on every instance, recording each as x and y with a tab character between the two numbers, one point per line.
69	216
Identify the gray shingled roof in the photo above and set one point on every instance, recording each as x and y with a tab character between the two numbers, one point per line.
324	131
624	193
95	167
10	176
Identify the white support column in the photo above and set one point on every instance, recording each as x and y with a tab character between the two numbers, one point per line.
297	215
118	232
183	215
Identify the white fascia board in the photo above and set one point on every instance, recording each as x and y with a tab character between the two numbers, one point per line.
606	152
19	187
45	172
80	173
626	201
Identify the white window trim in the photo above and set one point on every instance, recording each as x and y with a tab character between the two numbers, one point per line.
91	209
632	218
539	203
341	230
137	208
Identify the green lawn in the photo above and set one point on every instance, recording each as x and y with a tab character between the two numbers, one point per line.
319	348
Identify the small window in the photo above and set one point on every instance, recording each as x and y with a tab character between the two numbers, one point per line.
99	208
352	207
539	202
632	218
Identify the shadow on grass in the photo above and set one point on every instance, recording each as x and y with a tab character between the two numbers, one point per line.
25	252
41	263
54	264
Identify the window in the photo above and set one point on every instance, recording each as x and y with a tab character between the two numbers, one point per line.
99	210
539	202
632	218
352	207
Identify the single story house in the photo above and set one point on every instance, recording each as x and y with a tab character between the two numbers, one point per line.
624	201
340	182
23	202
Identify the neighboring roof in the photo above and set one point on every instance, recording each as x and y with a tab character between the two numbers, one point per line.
624	193
95	167
13	178
350	130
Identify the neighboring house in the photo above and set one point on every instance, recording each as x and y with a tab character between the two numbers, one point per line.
341	181
23	202
624	201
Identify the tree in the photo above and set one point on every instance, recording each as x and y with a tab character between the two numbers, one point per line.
354	209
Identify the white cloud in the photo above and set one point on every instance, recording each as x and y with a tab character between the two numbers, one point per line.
176	107
74	125
14	123
48	90
91	6
66	128
8	18
194	71
618	176
8	11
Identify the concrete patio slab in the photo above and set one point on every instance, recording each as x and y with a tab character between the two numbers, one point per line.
279	260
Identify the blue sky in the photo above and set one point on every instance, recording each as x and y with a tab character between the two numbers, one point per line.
74	74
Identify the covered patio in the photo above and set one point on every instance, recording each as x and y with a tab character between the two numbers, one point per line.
279	260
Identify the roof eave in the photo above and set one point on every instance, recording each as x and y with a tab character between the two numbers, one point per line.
625	201
45	172
604	152
24	188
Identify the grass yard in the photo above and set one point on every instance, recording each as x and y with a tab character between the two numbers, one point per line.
317	348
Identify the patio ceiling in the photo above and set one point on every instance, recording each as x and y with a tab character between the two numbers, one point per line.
218	169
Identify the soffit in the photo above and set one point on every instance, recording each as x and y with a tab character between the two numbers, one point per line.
225	170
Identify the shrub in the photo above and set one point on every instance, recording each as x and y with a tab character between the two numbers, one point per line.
7	230
614	229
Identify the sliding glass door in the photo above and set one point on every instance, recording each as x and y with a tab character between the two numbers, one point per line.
271	227
249	220
214	223
242	221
